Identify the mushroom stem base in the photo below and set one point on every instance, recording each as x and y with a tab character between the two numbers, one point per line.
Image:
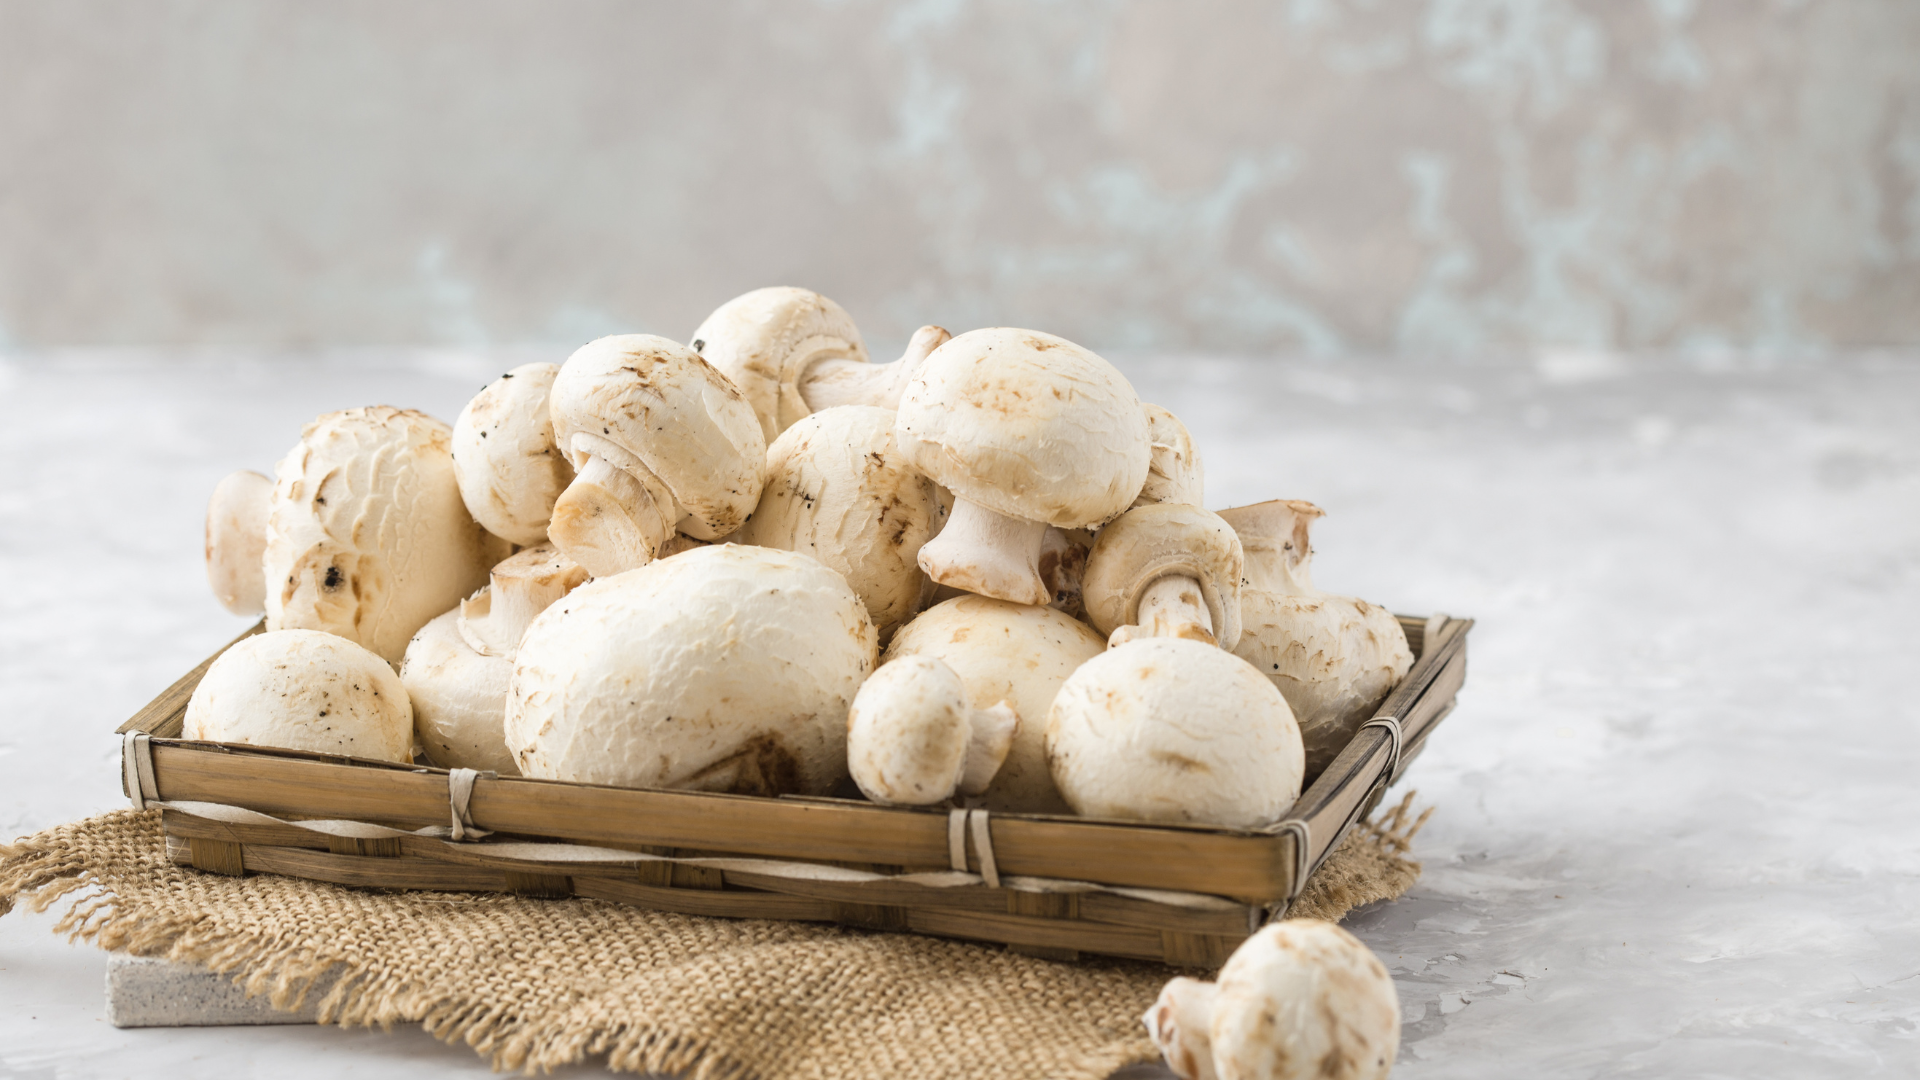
986	552
1172	606
609	520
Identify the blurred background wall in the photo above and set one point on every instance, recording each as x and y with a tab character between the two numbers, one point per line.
1204	175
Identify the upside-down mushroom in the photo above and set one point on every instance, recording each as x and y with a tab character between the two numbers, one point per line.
1027	430
1300	1000
1335	658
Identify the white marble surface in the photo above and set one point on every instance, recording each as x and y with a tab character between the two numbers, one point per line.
1676	828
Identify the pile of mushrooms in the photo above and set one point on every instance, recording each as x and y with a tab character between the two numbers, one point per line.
982	574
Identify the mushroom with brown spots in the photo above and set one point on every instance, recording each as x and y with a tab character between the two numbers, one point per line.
1335	658
1008	652
1027	430
914	740
458	666
793	352
368	536
303	690
1169	729
509	469
837	489
660	441
1166	570
726	668
1300	1000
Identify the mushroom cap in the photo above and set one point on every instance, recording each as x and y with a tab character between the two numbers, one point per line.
459	699
1150	542
237	541
907	732
766	340
1166	729
658	401
504	456
724	668
838	490
303	690
1334	658
1027	425
368	537
1174	472
1304	999
1007	652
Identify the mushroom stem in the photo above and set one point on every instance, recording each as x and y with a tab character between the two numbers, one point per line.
613	518
987	552
840	381
1180	1025
1172	606
990	736
494	619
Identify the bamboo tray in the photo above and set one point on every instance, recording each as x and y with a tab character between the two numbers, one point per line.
1048	885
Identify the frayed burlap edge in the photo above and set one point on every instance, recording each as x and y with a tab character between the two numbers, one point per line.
40	870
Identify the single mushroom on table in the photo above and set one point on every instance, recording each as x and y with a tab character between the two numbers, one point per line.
509	469
1016	653
1300	1000
660	441
837	489
237	541
368	537
1166	570
1027	430
727	668
1335	658
1169	729
793	352
914	740
458	666
303	690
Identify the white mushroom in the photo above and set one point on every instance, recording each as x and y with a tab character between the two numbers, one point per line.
368	537
793	352
1335	658
303	690
913	740
659	441
725	668
1167	729
1174	474
1007	652
509	469
1027	430
458	666
838	490
1166	570
237	541
1300	1000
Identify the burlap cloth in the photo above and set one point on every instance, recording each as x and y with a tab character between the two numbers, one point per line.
536	984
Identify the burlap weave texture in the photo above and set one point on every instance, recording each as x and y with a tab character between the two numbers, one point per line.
534	984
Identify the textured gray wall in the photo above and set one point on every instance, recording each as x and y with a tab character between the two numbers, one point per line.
1174	174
